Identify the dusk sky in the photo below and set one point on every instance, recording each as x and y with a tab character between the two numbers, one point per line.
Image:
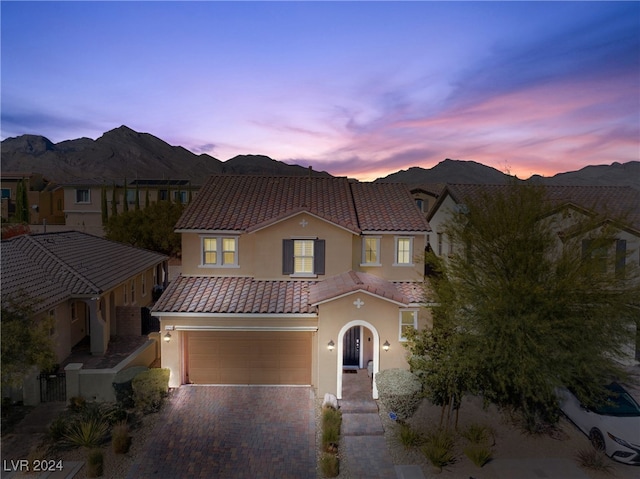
359	89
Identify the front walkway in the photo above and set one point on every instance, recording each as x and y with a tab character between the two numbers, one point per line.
366	452
233	432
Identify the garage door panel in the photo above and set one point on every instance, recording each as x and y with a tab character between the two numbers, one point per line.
224	357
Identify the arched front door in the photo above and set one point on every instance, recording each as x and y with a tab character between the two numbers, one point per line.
351	348
356	325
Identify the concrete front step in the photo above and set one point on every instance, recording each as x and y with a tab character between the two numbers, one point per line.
357	406
361	424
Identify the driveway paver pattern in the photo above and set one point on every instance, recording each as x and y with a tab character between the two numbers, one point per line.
233	432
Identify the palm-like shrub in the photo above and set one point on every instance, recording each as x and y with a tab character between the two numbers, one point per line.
89	433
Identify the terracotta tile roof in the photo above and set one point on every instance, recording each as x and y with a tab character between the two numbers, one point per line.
387	207
241	202
235	295
56	266
610	201
351	281
245	203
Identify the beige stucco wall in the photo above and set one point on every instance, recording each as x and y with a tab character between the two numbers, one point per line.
260	252
381	320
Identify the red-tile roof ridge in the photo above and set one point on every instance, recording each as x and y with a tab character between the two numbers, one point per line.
353	281
246	202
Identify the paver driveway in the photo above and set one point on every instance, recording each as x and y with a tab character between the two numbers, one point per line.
233	432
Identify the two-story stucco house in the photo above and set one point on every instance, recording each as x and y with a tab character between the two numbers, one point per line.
291	280
615	207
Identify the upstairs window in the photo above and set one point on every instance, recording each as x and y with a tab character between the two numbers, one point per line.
371	251
303	257
220	251
606	255
404	251
6	193
83	195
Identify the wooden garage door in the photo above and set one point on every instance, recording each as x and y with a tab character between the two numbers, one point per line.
221	357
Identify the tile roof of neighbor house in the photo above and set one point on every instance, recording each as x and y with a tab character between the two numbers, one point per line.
235	295
613	202
57	266
246	203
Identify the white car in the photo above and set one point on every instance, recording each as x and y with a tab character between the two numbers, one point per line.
613	427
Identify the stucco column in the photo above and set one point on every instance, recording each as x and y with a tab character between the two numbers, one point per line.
98	332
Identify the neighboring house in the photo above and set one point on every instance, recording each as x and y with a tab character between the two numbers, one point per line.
92	287
9	187
83	199
615	206
291	280
426	195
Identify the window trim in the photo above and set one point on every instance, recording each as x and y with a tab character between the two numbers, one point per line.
396	242
402	338
363	258
288	257
219	252
88	201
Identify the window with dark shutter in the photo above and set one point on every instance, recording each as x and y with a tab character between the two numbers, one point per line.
290	260
319	255
287	256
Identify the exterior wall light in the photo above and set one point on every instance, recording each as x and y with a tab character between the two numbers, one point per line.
331	345
167	337
386	345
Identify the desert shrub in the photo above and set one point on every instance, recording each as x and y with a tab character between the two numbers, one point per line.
107	412
149	388
122	385
329	465
478	453
591	458
330	439
120	438
95	463
76	403
331	423
86	433
409	437
479	434
438	448
57	429
331	418
400	391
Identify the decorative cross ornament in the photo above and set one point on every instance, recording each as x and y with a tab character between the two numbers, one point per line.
304	223
358	303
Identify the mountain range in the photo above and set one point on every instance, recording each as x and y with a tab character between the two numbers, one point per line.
125	153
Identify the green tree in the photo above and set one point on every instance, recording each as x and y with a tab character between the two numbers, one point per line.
26	339
114	201
530	313
146	198
151	228
22	202
137	200
125	201
103	205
